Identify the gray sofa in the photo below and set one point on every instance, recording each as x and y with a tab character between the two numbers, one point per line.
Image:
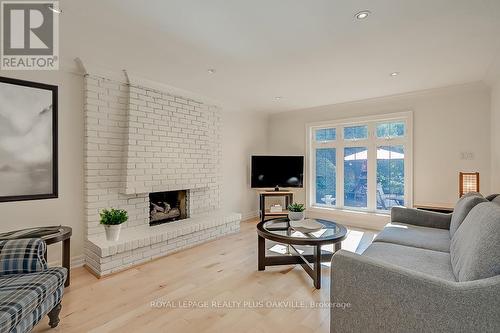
424	272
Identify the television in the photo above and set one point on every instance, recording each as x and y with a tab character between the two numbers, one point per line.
277	171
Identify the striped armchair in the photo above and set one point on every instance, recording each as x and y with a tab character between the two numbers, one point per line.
29	290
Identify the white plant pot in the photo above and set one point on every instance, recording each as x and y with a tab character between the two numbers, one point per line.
113	232
295	216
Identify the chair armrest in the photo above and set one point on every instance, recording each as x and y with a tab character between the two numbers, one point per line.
387	298
420	217
19	256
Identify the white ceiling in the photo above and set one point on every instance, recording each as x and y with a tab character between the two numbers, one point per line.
310	52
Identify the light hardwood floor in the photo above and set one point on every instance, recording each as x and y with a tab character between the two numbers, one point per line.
221	270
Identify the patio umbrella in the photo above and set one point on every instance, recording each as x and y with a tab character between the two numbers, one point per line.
382	154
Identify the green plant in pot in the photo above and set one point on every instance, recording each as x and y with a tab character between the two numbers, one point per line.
296	212
112	220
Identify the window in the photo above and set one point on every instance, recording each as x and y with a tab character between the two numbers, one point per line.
391	130
355	176
326	169
326	134
390	176
355	132
375	174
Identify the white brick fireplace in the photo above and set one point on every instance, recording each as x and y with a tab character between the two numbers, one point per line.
140	140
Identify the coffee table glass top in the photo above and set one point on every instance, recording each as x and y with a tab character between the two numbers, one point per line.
281	228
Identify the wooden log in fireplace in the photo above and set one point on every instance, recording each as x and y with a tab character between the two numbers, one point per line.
167	206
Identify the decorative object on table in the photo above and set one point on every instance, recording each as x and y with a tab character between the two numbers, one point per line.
276	209
468	182
28	140
306	226
296	212
112	220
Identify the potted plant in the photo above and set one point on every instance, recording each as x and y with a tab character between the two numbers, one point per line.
112	220
296	212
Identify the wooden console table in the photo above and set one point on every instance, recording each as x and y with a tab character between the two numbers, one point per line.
442	208
266	213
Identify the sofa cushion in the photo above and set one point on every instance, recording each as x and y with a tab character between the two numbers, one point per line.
22	256
22	294
496	200
462	208
475	247
415	236
435	263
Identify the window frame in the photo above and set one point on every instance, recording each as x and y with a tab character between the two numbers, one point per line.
371	142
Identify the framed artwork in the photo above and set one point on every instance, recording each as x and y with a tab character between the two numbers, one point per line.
28	140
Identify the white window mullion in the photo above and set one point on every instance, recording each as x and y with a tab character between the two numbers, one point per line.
372	169
312	172
407	172
340	176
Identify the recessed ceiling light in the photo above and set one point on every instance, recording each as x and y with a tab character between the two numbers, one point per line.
277	98
394	73
362	14
211	71
55	10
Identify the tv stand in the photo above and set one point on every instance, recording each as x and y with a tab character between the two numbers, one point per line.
276	193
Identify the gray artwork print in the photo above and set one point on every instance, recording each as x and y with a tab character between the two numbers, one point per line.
25	140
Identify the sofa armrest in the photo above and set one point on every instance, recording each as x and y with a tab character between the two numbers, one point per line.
420	217
19	256
382	297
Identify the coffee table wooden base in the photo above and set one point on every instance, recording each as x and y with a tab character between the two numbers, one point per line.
311	263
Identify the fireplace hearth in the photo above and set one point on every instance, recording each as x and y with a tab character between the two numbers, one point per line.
168	206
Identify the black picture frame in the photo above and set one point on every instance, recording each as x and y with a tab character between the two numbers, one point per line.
55	181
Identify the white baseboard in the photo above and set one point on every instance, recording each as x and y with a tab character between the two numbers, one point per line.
76	261
249	215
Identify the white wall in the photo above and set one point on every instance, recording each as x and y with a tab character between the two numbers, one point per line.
68	208
495	138
243	134
446	122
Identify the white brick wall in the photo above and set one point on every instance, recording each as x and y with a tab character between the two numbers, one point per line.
174	143
140	140
106	129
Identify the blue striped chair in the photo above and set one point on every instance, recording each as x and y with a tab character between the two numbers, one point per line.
29	290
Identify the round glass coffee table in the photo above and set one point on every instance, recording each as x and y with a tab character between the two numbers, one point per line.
279	231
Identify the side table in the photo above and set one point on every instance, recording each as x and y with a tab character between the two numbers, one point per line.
263	195
438	208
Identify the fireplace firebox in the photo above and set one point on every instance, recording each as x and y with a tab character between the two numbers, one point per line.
168	206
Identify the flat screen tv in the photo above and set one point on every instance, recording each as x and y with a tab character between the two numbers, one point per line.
277	171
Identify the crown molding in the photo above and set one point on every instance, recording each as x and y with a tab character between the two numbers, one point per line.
89	68
126	77
138	81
